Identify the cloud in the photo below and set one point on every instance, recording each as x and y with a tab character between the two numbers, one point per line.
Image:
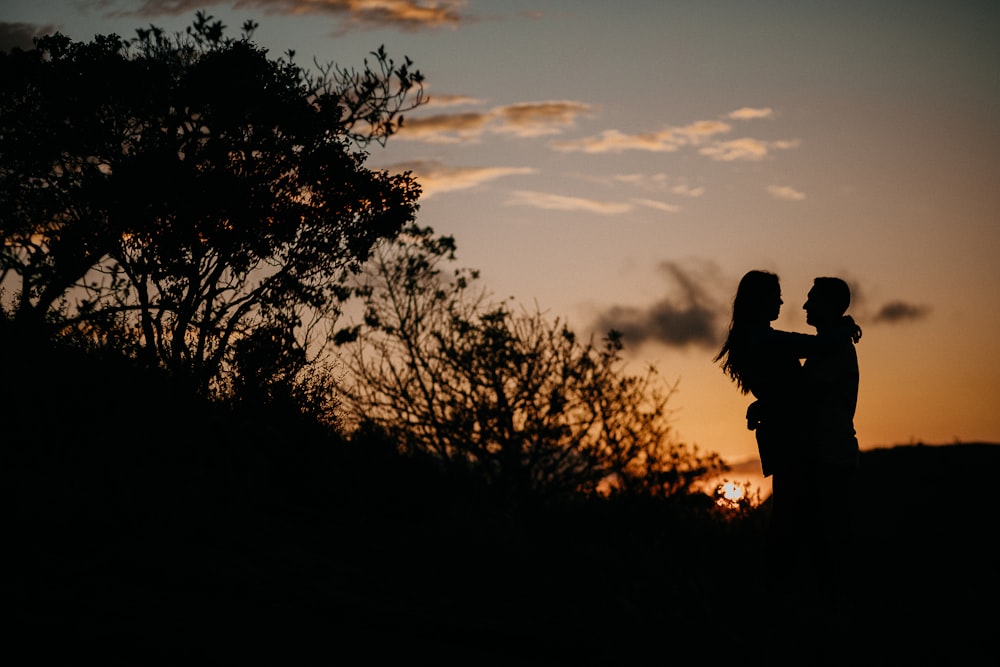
703	134
525	119
21	35
667	140
745	149
658	205
435	178
553	202
785	192
698	131
614	141
749	113
449	128
532	119
687	190
659	182
407	15
689	316
895	312
643	181
442	100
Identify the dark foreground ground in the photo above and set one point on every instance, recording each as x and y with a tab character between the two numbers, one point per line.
109	568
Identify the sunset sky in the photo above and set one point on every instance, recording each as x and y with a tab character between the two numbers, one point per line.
622	164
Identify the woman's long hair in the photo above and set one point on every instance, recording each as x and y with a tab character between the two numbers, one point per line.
754	296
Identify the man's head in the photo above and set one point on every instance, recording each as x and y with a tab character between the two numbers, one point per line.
827	302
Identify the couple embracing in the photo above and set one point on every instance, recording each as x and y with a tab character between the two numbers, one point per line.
806	391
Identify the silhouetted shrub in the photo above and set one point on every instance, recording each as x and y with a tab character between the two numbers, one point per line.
515	399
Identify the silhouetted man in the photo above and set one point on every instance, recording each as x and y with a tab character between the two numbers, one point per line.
809	559
831	397
831	380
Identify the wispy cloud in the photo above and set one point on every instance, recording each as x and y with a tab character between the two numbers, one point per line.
667	140
785	192
703	135
750	113
688	316
745	149
687	190
21	35
552	202
658	205
659	182
407	15
435	178
450	128
615	141
895	312
526	119
698	131
532	119
443	100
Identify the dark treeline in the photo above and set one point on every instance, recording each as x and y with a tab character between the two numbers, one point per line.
204	461
149	527
149	523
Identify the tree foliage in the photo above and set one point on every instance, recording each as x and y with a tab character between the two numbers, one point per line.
183	191
510	395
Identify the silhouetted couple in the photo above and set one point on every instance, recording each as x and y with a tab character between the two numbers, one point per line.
803	417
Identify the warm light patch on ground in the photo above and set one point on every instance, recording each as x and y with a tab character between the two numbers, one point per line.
732	491
734	495
727	487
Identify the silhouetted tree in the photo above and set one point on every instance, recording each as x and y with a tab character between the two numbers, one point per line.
185	191
515	397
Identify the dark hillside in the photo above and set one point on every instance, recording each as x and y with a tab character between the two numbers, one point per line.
930	576
148	528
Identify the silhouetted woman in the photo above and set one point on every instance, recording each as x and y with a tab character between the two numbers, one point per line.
765	362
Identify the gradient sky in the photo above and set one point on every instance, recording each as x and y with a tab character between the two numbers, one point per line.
625	163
